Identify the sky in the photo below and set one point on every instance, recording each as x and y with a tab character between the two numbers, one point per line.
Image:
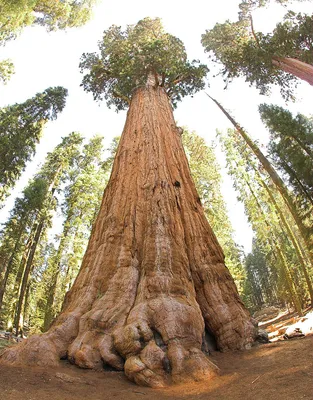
44	59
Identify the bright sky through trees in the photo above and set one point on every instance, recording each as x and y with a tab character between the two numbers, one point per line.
44	59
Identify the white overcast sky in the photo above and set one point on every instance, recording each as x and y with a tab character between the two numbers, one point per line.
44	59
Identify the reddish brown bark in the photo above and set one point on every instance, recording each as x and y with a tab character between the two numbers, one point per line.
153	276
295	67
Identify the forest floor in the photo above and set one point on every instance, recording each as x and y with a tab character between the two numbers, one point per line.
280	370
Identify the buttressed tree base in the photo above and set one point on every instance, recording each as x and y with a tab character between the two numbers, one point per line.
153	284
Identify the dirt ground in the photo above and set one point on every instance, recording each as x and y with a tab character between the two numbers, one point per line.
282	370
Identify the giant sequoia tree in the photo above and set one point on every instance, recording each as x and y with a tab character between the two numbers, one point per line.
153	284
277	58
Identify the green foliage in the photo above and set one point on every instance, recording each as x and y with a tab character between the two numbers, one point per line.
291	148
30	218
243	52
6	70
269	218
127	58
261	284
82	198
21	127
282	124
15	15
52	14
20	221
62	14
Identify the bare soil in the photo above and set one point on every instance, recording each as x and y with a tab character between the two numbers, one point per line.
281	370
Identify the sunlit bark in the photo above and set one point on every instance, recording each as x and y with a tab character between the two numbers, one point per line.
153	283
295	67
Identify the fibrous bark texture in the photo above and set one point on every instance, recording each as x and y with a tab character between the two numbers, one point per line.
153	284
295	67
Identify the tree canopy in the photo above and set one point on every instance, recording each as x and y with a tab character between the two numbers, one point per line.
21	127
275	230
291	148
259	57
6	70
128	57
16	15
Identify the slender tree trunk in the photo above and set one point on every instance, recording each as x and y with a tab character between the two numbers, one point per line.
70	271
50	311
9	266
290	233
303	146
27	271
3	265
293	239
153	276
295	67
20	272
33	247
3	285
273	175
289	281
284	265
26	302
293	174
257	294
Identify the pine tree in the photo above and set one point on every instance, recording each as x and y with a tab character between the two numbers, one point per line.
291	148
15	231
41	204
21	127
207	177
265	214
83	193
276	179
262	283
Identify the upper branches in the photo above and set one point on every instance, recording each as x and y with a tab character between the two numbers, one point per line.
128	57
263	59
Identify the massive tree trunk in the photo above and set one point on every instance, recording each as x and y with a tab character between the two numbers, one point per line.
153	283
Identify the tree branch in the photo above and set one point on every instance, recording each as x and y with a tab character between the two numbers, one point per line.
163	80
178	79
122	97
253	32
